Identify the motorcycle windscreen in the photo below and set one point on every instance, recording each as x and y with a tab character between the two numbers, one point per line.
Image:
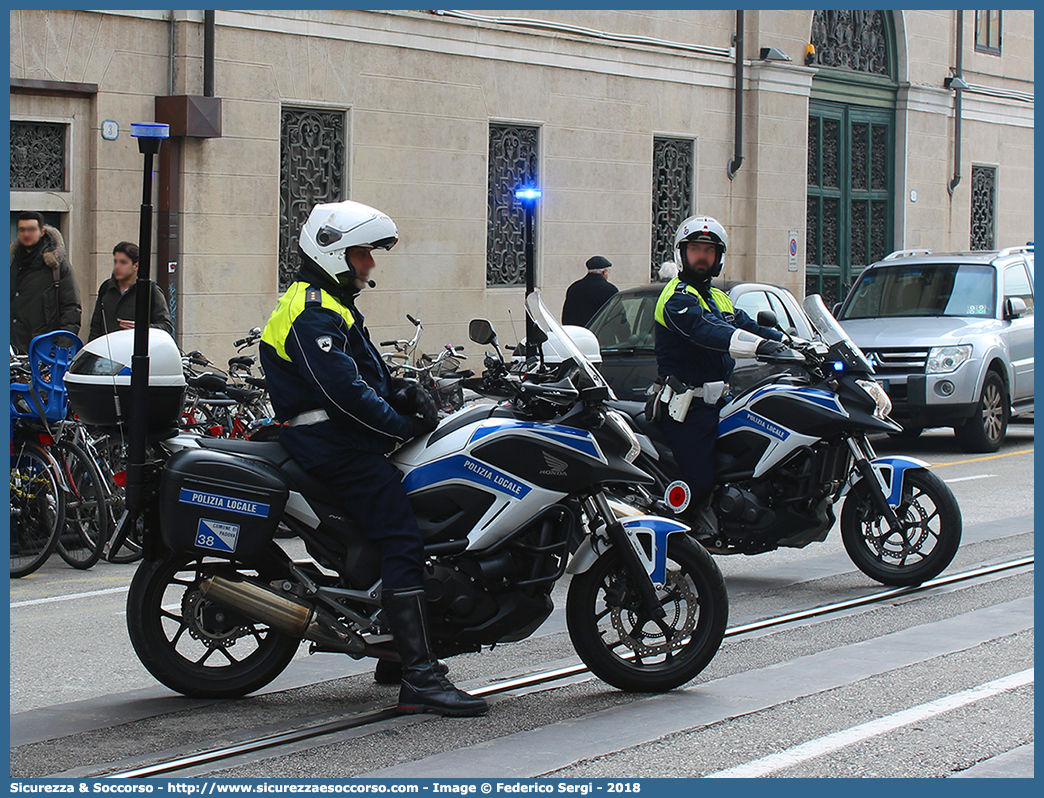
538	311
832	332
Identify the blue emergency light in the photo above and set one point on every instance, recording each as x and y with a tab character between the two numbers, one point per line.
528	194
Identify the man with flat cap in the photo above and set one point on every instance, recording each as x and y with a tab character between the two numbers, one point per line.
585	297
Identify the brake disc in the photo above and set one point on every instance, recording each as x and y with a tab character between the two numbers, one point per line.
651	643
209	623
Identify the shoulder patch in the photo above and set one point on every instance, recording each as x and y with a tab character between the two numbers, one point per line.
324	342
313	296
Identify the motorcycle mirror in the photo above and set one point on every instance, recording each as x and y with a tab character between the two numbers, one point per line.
481	332
767	318
255	331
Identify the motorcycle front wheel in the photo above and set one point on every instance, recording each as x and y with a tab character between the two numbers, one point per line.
194	646
927	543
629	650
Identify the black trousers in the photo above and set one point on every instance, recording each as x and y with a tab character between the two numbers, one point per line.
692	442
370	490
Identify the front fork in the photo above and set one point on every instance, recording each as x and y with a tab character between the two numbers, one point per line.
597	506
863	453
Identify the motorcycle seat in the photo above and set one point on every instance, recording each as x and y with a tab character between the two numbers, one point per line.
272	452
636	412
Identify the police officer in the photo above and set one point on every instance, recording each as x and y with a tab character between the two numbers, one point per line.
698	333
344	413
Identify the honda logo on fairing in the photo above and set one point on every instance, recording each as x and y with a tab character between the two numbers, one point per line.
555	467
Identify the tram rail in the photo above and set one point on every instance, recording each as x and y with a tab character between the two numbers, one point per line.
370	717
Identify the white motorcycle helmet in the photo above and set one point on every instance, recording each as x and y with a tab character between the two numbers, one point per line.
706	229
334	227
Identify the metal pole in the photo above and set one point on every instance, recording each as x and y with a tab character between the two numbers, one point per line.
149	138
528	196
531	345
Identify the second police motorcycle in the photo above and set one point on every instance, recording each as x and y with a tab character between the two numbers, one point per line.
794	445
511	495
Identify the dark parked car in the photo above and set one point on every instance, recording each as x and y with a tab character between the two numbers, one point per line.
626	334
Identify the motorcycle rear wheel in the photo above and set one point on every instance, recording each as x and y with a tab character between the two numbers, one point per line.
931	535
194	646
632	653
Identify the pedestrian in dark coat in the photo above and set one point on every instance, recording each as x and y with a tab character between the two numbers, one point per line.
114	308
585	297
44	294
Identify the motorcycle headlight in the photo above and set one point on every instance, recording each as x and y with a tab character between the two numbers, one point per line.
877	393
944	359
617	422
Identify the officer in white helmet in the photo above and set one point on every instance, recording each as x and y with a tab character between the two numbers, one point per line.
343	413
698	335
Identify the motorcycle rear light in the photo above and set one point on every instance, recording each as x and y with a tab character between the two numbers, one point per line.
215	431
45	439
119	479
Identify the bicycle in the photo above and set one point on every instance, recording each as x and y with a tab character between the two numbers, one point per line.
37	504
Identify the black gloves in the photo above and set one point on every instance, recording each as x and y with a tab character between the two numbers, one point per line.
771	348
424	405
411	400
418	426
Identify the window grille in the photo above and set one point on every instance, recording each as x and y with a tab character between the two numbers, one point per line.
312	169
512	165
38	156
983	185
672	195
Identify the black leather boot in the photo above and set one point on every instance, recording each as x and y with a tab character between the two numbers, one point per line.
423	689
389	671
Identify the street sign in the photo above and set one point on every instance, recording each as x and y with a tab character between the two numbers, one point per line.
792	249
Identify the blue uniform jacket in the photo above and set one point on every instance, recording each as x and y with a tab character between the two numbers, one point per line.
692	342
317	354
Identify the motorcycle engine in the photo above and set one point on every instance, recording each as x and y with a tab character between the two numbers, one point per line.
451	592
743	507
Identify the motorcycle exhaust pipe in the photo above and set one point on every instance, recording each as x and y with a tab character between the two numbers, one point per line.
286	614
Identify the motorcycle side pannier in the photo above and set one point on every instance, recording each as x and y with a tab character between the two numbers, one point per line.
218	504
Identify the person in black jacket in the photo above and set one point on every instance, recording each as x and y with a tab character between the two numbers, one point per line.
585	297
343	413
44	294
114	308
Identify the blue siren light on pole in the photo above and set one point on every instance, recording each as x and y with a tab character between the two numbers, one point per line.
527	193
150	130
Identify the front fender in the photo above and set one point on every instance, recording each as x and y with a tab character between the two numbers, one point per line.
891	474
647	533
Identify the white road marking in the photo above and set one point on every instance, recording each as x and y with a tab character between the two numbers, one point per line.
838	740
968	479
69	596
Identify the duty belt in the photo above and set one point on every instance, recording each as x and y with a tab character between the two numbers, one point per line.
308	418
678	387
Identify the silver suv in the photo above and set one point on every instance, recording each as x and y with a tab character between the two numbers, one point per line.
951	338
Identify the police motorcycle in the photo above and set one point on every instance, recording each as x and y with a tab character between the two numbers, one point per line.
218	608
790	448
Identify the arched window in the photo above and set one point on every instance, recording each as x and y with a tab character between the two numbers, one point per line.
852	39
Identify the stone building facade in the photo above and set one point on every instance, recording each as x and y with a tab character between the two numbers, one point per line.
627	121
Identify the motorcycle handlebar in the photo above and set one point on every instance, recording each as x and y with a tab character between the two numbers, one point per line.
412	320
